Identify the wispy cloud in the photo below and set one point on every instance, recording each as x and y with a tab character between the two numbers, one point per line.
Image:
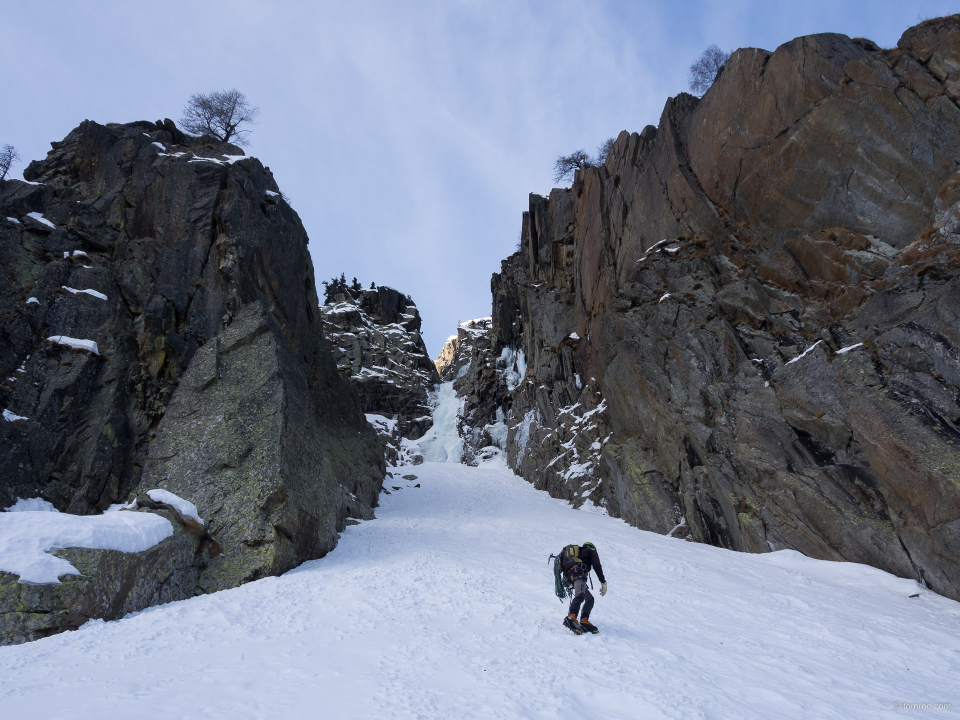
407	134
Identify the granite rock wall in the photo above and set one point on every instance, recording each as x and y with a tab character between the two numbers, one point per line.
742	328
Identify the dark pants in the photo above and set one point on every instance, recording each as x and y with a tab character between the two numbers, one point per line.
581	593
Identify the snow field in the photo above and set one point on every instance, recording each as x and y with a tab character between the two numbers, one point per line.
443	608
31	505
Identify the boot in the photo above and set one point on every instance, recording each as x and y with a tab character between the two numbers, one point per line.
570	621
588	626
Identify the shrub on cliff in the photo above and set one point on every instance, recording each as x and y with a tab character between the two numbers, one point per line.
333	286
336	285
220	114
705	68
567	165
604	150
8	158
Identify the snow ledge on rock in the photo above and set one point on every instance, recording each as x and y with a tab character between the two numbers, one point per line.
28	535
75	343
184	507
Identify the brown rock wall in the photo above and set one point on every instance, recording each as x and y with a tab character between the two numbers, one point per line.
745	322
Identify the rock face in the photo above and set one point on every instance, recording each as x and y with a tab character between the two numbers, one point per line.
260	453
745	323
134	258
375	339
484	380
459	349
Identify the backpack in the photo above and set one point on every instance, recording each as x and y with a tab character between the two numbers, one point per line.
570	558
567	560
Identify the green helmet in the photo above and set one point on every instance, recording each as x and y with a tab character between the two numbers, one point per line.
591	545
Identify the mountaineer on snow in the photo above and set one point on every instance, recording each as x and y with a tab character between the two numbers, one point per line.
572	570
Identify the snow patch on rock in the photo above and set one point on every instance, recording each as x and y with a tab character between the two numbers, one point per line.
184	507
805	352
41	219
87	291
27	537
75	343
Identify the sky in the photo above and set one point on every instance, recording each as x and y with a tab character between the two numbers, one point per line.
407	135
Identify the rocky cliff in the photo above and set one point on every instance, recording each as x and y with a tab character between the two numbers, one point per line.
743	327
375	339
160	328
460	350
483	381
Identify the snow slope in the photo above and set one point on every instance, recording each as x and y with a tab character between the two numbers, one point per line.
443	607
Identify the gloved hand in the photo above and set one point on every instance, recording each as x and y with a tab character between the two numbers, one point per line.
603	589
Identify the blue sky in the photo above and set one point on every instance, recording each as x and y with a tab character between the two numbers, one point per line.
406	134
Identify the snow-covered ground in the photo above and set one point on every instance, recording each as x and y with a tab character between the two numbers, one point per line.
443	607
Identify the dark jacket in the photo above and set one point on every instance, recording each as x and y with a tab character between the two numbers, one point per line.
590	560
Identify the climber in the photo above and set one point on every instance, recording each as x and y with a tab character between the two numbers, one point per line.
576	563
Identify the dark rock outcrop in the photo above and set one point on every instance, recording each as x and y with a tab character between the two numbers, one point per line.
459	349
260	453
484	380
136	256
375	339
111	584
753	308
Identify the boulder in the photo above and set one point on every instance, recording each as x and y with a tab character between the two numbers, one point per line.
261	454
111	584
178	234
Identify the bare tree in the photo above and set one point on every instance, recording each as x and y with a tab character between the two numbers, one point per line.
705	68
604	150
221	114
8	158
566	165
